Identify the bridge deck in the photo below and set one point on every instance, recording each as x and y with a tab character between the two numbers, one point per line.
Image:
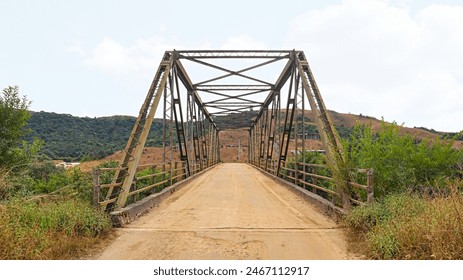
230	212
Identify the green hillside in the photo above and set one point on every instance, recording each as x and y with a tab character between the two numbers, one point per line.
73	138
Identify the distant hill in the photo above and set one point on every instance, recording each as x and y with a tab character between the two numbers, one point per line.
350	120
74	138
236	120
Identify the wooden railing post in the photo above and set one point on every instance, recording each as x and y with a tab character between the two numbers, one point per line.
296	172
184	175
303	174
314	170
153	179
176	170
171	173
132	198
163	170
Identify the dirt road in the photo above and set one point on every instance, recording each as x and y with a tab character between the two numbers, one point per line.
230	212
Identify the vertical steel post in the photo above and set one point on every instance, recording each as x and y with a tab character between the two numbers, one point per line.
178	117
286	133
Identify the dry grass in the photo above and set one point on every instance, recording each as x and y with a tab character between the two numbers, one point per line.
5	185
50	230
410	227
437	233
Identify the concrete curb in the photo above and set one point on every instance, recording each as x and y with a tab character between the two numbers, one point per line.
325	206
131	212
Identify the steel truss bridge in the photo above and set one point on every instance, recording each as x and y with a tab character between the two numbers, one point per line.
278	87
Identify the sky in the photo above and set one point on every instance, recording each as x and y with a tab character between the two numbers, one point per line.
400	60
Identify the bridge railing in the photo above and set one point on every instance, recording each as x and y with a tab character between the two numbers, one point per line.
317	178
200	165
150	178
267	165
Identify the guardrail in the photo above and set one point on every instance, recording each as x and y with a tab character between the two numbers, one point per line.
150	179
308	176
317	178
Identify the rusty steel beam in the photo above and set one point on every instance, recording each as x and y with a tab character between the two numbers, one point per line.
230	54
258	88
284	76
231	73
136	143
288	123
228	97
330	138
232	104
235	73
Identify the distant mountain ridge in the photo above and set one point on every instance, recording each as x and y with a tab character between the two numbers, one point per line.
73	138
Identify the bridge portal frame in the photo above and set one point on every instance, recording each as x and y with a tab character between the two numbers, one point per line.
196	140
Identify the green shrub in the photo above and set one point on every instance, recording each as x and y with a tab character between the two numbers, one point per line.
384	244
43	177
49	230
368	216
401	162
364	218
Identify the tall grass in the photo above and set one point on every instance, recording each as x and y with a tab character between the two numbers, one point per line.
405	226
61	229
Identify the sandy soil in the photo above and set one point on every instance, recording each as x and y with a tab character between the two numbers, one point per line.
230	212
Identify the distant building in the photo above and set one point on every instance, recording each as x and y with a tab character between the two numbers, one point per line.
67	165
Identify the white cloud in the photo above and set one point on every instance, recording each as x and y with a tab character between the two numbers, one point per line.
373	58
138	60
127	69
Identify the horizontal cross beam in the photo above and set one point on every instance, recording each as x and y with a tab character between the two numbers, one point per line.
205	54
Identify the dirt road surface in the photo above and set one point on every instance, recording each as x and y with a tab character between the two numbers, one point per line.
230	212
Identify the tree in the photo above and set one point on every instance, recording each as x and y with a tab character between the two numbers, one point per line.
13	120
